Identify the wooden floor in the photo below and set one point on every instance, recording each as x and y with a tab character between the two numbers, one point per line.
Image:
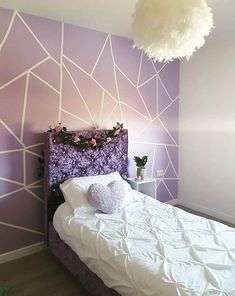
41	274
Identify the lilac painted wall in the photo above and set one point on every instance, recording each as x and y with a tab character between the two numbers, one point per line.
52	72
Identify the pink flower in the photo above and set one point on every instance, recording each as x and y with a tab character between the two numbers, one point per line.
108	140
93	142
58	128
116	132
76	139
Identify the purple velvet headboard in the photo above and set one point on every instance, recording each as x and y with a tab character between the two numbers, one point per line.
64	161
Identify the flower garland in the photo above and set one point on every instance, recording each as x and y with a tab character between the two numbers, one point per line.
62	135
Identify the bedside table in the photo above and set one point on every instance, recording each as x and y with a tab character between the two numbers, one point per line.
147	186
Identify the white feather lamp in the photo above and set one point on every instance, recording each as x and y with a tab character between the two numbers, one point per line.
168	29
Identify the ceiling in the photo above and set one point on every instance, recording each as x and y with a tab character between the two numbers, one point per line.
103	15
110	15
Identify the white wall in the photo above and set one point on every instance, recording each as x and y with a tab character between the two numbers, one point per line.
207	118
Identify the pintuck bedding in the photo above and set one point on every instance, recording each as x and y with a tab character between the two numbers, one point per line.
150	248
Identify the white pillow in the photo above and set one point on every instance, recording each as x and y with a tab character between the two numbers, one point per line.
73	195
75	189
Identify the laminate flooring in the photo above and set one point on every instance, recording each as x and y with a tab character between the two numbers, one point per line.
42	274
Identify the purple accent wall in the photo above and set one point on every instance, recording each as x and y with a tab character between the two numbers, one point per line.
52	72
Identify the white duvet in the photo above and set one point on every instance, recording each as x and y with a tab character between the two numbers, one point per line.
152	249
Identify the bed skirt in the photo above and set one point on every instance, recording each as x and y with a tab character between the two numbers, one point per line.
90	281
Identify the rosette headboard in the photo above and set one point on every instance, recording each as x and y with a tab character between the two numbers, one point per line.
63	161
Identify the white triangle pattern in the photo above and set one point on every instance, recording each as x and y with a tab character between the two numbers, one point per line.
104	109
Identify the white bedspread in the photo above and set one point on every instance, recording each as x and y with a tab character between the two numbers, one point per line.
152	249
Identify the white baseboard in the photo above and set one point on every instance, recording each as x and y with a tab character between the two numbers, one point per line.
204	210
173	202
22	252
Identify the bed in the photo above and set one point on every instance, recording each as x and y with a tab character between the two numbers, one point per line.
148	248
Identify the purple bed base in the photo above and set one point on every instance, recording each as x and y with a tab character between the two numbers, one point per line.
62	162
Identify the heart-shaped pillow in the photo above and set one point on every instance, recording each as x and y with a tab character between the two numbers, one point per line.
108	199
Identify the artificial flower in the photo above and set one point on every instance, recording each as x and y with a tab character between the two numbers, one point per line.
58	128
108	140
91	139
93	142
76	139
116	132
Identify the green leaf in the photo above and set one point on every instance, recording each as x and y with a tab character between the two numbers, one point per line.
141	162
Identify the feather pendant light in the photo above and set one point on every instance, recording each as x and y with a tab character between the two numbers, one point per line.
169	29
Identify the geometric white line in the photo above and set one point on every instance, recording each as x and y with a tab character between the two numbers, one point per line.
157	71
12	133
34	145
115	75
10	151
35	154
21	228
61	69
98	58
142	84
162	180
157	117
159	78
45	82
34	186
110	114
162	68
34	183
79	92
114	67
153	64
88	74
75	116
153	143
141	58
166	178
62	42
157	95
26	188
76	65
34	195
150	122
167	131
13	80
121	112
153	162
24	167
12	192
24	106
168	106
12	181
101	108
150	117
8	30
168	189
120	70
115	99
165	170
136	111
171	162
23	73
35	37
